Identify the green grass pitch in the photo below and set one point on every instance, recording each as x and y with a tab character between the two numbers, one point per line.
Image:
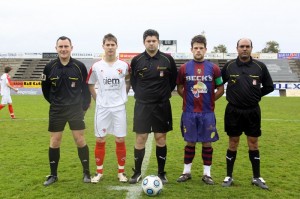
24	146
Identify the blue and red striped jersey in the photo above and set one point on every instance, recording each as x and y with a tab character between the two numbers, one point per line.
199	80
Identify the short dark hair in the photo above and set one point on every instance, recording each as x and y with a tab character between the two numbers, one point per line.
64	38
198	39
237	44
150	32
110	37
7	69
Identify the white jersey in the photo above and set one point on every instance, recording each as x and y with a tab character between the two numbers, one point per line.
111	83
5	90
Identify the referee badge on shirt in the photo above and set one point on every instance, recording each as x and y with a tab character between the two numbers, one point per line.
254	82
161	70
161	73
73	84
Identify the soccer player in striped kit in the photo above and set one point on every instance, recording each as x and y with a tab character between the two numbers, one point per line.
199	83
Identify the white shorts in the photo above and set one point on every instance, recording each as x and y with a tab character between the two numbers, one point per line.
6	99
110	121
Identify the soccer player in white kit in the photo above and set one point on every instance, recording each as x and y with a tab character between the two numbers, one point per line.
5	91
113	81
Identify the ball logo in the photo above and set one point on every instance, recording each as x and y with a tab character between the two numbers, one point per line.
152	185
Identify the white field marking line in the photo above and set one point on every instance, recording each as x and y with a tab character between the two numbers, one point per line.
134	191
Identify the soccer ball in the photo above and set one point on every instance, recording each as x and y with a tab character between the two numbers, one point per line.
152	185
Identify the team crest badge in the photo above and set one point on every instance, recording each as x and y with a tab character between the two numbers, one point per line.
120	71
199	71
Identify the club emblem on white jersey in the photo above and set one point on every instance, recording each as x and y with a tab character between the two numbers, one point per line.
120	71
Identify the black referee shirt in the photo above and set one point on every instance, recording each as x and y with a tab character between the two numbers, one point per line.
153	78
66	85
247	82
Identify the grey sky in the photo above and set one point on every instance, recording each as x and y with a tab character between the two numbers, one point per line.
34	25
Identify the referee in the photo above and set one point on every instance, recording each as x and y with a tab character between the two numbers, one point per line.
248	80
153	79
64	87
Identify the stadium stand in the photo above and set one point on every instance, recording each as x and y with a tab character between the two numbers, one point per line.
14	63
295	66
30	69
281	70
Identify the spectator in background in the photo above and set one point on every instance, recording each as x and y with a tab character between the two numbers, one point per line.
112	76
64	87
153	79
5	92
200	84
248	80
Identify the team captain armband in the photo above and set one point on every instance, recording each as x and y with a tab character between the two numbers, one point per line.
219	81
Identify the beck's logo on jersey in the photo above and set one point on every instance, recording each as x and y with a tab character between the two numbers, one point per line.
202	78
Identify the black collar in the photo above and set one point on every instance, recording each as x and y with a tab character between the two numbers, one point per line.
61	65
156	56
240	63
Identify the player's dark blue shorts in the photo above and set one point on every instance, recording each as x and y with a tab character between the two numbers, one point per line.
152	117
238	120
60	115
199	127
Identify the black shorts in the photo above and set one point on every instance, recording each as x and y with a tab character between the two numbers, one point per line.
238	120
152	117
60	115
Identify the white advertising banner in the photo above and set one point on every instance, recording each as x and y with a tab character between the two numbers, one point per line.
285	86
182	55
21	55
83	55
187	55
230	55
214	56
268	56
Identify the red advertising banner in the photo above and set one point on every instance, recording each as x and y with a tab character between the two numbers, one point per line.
127	57
26	84
17	84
